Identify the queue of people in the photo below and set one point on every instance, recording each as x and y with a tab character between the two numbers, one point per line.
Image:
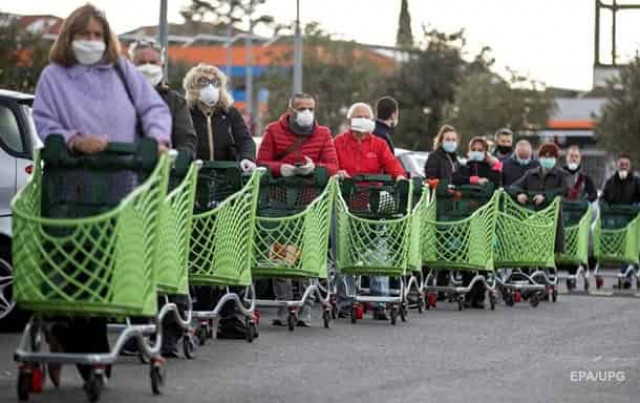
92	95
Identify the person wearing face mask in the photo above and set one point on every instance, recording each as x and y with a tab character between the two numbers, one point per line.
91	96
623	187
539	185
443	161
294	146
521	161
222	134
386	120
481	168
362	153
146	55
582	186
504	144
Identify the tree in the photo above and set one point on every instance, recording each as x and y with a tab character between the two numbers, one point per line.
405	37
619	126
22	58
423	85
485	102
337	73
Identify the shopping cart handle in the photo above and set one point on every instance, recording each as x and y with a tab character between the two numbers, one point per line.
372	178
121	148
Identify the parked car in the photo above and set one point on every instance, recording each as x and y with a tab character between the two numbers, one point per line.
412	161
18	137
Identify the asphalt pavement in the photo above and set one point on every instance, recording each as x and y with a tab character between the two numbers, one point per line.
580	349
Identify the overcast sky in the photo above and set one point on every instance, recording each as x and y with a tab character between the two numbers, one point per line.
550	40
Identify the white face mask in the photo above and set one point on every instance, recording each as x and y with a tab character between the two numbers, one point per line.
304	118
209	95
623	174
573	166
362	125
152	72
88	52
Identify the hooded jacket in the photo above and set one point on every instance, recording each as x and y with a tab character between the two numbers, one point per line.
370	155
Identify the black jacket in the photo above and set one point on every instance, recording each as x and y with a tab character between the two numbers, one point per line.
384	132
230	136
475	168
555	181
581	186
441	165
617	191
183	135
512	170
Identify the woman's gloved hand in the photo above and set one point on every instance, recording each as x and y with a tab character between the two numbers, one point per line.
247	166
307	168
287	170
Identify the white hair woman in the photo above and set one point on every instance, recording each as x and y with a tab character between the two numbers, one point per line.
222	133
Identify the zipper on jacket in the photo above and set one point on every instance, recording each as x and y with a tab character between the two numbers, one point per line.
210	135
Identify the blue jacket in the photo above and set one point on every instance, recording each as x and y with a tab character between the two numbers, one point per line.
384	132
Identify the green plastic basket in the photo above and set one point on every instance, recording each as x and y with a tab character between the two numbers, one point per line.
175	235
222	238
97	265
577	223
615	236
374	228
458	232
525	237
292	227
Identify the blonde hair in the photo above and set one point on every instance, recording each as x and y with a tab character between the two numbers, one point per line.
437	141
61	51
192	91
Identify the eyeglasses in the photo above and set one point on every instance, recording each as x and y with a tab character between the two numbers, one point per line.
204	81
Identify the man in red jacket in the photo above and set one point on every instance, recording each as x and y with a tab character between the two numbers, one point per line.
295	145
361	153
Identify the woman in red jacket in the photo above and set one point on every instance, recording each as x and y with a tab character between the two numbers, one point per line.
361	153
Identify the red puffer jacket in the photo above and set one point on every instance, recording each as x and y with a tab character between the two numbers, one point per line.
369	156
278	138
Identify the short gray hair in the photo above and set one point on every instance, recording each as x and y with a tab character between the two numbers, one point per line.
353	108
145	43
300	95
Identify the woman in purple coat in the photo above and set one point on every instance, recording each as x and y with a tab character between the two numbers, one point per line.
91	96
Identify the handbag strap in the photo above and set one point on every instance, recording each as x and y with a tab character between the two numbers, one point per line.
120	72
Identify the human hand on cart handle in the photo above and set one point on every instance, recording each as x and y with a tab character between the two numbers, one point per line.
89	144
287	170
307	168
522	198
538	199
247	165
162	148
342	174
483	181
401	178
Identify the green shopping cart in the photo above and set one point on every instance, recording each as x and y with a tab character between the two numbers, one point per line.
86	233
617	243
374	223
576	217
222	242
291	240
458	226
525	248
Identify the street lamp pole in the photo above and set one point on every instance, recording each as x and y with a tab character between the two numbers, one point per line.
297	62
249	75
163	36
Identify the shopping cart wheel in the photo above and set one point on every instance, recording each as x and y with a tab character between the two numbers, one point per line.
326	318
533	300
24	384
620	283
156	374
403	313
492	301
507	296
354	313
586	284
554	295
334	312
421	305
599	282
251	331
291	321
201	334
460	303
638	283
93	386
188	346
394	315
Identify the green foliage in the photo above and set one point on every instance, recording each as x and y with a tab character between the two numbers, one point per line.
22	58
619	126
332	71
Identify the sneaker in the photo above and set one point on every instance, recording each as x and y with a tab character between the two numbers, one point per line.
231	329
303	323
380	314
